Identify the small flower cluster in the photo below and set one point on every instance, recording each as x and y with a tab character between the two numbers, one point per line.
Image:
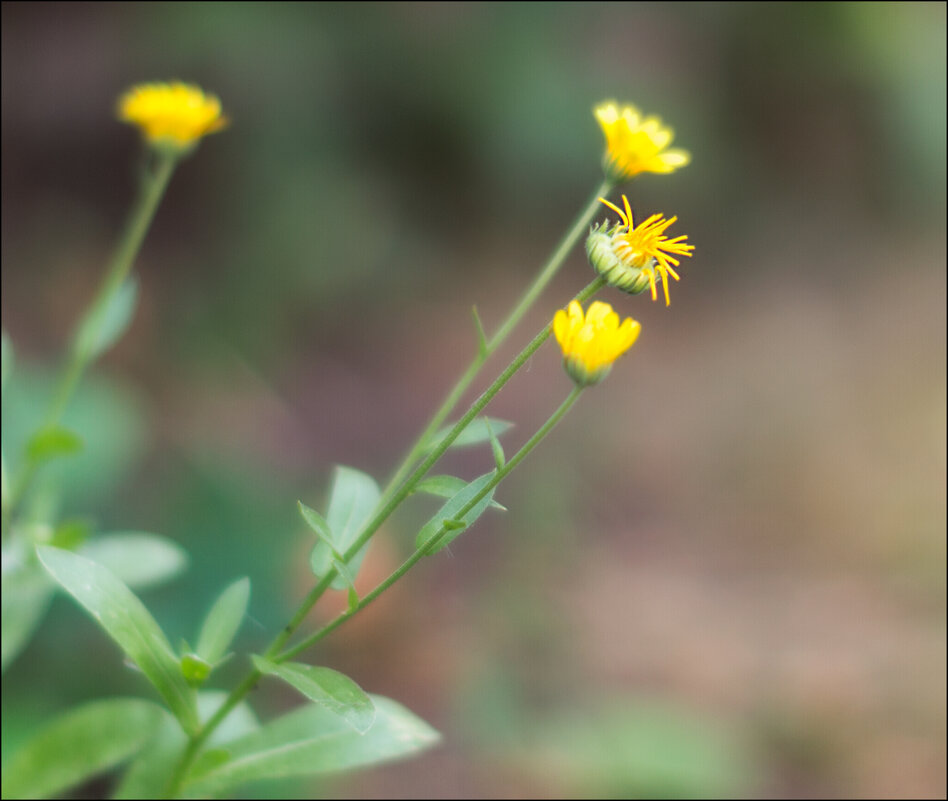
630	257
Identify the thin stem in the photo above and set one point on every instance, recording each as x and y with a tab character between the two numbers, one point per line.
526	301
499	476
152	188
239	692
419	473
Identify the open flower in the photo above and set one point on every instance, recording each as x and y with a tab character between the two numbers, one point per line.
633	257
174	115
635	143
592	342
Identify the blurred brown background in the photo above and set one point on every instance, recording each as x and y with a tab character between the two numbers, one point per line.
724	573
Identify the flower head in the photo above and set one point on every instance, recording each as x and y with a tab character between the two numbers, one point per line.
632	257
174	115
635	143
592	342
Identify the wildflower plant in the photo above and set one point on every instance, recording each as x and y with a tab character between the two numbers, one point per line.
184	740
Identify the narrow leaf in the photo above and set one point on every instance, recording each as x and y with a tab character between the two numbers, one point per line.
482	349
223	621
447	487
78	745
126	620
316	522
446	524
475	433
103	328
52	442
312	740
499	459
351	503
326	687
137	558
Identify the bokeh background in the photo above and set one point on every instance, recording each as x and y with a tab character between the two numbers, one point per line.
725	572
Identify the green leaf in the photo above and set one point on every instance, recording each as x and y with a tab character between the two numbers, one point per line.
352	501
446	525
499	459
127	621
137	558
312	740
482	349
78	745
147	776
476	432
52	442
6	359
447	487
223	621
99	331
327	687
25	597
316	522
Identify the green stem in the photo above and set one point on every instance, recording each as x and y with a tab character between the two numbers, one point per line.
526	301
152	188
419	473
238	694
499	476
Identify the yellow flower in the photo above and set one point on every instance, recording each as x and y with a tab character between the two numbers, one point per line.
635	144
632	257
175	115
591	343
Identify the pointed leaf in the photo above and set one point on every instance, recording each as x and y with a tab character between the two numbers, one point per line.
446	525
447	487
482	349
136	558
126	620
475	433
81	743
223	621
352	501
329	688
316	522
499	459
311	741
103	328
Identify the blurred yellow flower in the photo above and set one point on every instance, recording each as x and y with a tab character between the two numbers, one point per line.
592	342
632	257
635	144
175	114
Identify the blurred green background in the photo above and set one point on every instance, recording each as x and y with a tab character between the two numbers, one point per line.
724	573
